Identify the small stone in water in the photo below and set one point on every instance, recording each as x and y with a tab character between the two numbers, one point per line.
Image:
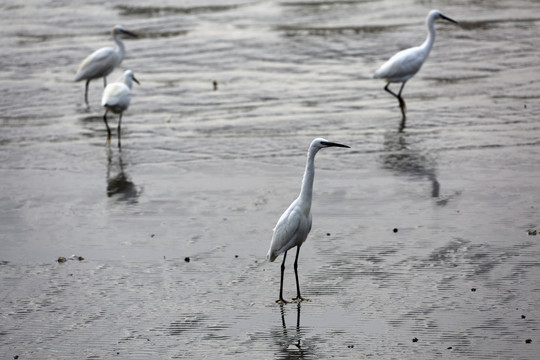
61	259
528	341
473	289
187	259
415	340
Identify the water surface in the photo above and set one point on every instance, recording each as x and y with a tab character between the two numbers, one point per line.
204	174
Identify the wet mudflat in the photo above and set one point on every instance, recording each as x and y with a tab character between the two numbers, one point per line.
424	235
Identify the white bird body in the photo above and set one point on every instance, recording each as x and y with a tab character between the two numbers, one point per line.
409	60
116	98
291	229
100	63
294	224
406	63
103	61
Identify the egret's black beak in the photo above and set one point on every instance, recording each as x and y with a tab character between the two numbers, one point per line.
137	81
447	18
129	33
328	143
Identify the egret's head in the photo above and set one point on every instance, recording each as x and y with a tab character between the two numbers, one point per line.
320	143
437	15
129	77
119	29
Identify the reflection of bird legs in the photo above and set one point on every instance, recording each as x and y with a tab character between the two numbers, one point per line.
402	104
298	343
298	297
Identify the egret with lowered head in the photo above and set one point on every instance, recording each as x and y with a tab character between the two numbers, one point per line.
116	98
294	225
406	63
103	61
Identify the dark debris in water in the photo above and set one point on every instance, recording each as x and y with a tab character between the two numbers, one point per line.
62	259
187	259
532	232
528	341
415	339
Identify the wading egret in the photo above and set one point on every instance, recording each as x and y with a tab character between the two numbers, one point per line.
294	225
116	98
103	61
406	63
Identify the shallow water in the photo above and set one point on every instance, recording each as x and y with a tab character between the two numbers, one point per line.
205	174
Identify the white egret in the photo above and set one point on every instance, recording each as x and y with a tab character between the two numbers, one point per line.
103	61
294	225
116	98
406	63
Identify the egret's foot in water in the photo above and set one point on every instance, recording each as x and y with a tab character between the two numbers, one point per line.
281	301
299	299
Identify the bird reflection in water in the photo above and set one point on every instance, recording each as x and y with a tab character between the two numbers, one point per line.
400	157
119	185
292	345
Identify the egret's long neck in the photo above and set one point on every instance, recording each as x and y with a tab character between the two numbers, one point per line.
128	80
428	43
121	49
307	182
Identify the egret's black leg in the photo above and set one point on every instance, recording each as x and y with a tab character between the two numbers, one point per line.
387	89
281	300
403	107
298	297
86	93
119	126
402	104
104	81
107	125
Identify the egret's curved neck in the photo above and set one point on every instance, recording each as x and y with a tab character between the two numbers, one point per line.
128	80
120	44
307	182
428	43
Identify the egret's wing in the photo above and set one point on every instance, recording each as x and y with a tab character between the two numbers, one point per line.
116	94
286	232
100	63
402	65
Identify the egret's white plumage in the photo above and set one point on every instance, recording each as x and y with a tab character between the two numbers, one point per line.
294	225
103	61
406	63
116	98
